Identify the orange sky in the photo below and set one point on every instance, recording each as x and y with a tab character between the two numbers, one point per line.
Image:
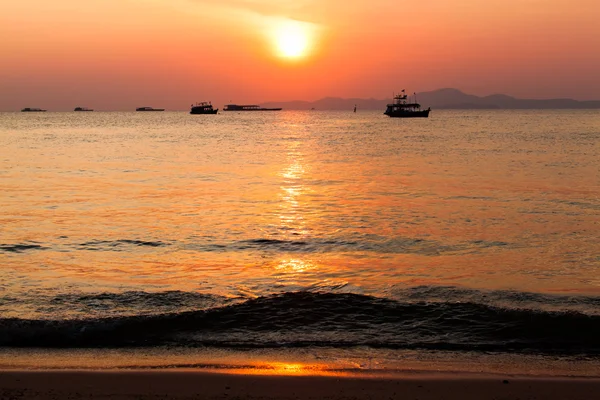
121	54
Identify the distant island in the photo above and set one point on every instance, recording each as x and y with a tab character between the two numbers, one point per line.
441	99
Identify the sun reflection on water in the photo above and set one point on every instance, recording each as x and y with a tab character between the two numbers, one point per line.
292	212
295	265
295	170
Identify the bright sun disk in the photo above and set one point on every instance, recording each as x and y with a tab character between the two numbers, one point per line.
292	39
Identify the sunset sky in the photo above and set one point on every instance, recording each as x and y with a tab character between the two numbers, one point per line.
122	54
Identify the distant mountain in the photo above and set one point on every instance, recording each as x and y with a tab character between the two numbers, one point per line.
440	99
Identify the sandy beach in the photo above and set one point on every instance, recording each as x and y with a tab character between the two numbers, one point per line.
208	385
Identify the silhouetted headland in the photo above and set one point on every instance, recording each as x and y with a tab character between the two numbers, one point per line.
443	99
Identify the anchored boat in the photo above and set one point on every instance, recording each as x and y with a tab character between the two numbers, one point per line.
149	109
402	108
251	107
203	108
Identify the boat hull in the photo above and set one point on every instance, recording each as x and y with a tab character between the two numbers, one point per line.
257	109
201	111
247	107
408	114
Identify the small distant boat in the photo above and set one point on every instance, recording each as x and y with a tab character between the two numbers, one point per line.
29	109
203	108
82	109
401	108
149	109
251	107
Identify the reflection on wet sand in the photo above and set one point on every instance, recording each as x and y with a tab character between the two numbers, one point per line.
280	368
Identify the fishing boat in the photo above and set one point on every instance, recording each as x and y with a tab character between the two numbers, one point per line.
402	108
29	109
82	109
203	108
251	107
149	109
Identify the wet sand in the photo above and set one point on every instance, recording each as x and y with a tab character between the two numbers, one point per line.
165	384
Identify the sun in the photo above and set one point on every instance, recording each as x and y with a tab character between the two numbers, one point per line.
292	39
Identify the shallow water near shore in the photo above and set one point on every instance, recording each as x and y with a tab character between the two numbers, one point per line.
471	232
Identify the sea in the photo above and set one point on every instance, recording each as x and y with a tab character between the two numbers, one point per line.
301	241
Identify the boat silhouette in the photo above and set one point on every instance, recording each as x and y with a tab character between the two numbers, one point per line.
203	108
401	108
248	107
149	109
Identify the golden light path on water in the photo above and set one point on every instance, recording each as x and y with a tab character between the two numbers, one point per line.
291	215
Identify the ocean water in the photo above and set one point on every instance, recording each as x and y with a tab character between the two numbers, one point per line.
468	233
